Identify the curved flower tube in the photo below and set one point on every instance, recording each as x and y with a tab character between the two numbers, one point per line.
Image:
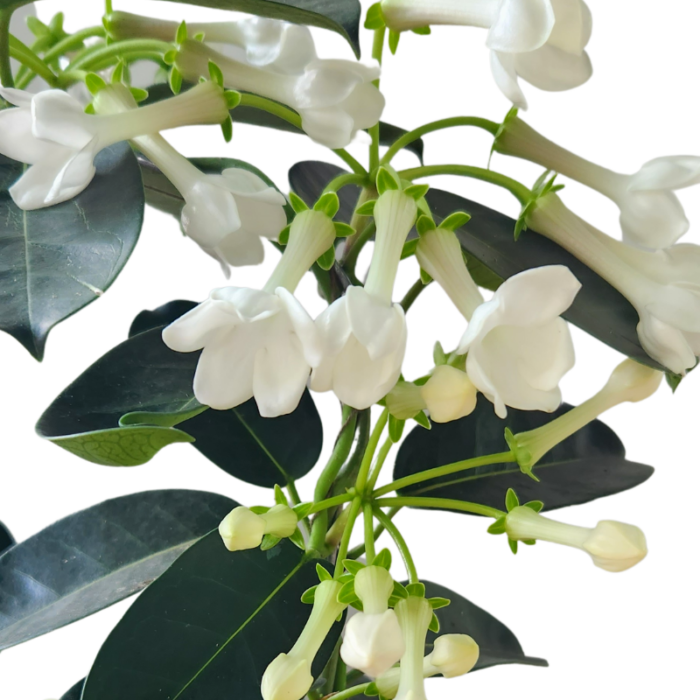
225	214
415	614
334	98
651	216
51	132
541	41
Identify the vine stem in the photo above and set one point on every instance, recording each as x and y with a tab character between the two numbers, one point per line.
341	181
353	512
518	190
379	463
349	692
411	136
412	294
27	57
399	541
331	503
444	470
371	449
442	503
5	67
369	533
94	56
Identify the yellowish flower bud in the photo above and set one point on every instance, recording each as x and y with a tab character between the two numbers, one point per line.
453	655
243	529
449	394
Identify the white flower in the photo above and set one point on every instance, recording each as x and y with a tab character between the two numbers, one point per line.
449	394
541	41
51	133
334	98
519	348
364	334
243	529
663	286
225	214
285	47
613	546
414	615
289	677
651	216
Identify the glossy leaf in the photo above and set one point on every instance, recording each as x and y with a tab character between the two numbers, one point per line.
209	626
94	558
588	465
55	261
497	644
6	538
599	309
121	410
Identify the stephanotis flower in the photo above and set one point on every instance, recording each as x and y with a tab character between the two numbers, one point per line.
364	333
541	41
518	346
663	286
651	216
258	343
242	529
51	132
260	41
334	98
415	614
225	214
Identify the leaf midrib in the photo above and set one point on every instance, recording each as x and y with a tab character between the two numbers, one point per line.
261	445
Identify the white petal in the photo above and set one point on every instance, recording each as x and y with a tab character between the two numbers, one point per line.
193	330
17	140
378	327
19	98
248	305
364	105
304	327
210	213
572	26
667	173
652	219
552	69
288	48
331	127
521	25
240	248
666	344
503	71
261	218
60	118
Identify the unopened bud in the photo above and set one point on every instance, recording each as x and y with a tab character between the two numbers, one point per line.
453	655
449	394
372	643
243	529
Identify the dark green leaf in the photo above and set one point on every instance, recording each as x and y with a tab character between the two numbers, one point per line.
588	465
209	626
96	557
75	692
162	316
6	538
599	309
55	261
497	644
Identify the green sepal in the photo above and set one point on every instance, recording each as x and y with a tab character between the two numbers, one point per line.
175	80
425	224
259	510
425	278
673	380
323	573
298	204
543	186
269	541
343	230
353	566
417	191
416	589
199	36
399	591
537	506
367	209
302	510
169	57
56	23
512	500
309	595
498	527
89	108
37	27
280	498
346	594
298	539
530	543
139	94
283	238
233	98
327	260
181	34
422	31
328	204
409	248
437	602
344	578
386	181
434	624
383	559
455	220
118	72
396	427
513	544
440	357
94	83
227	128
423	420
394	41
371	690
375	17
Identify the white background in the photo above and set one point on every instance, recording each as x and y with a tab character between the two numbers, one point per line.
609	636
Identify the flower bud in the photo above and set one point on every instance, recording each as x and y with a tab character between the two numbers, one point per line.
372	643
243	529
613	546
449	394
287	678
453	655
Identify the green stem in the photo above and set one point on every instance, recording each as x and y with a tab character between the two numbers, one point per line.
28	58
354	164
518	190
348	474
411	136
371	449
360	549
354	511
399	541
377	51
94	56
341	676
442	504
5	68
379	463
352	253
369	533
332	502
412	294
337	183
350	692
108	7
72	42
444	470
